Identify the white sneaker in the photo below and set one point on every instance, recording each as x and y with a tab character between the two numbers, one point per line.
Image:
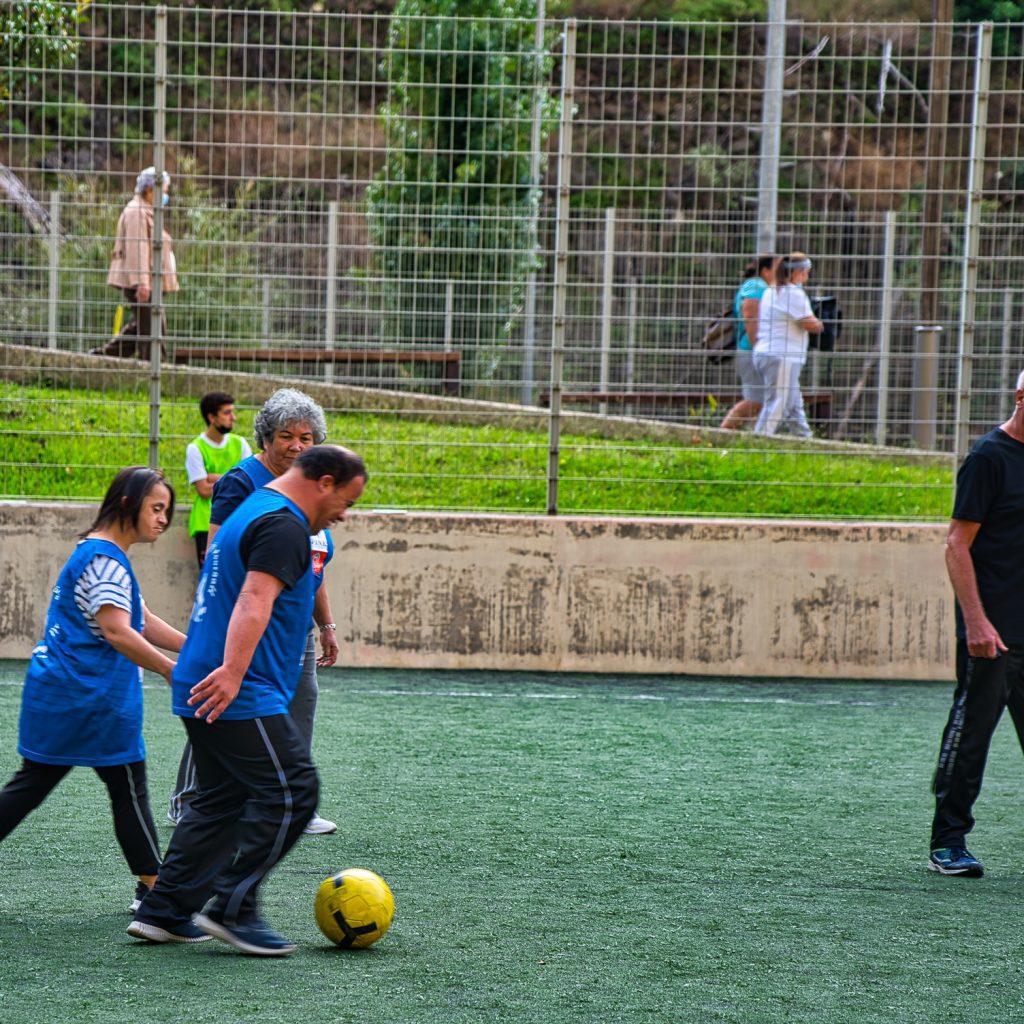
320	826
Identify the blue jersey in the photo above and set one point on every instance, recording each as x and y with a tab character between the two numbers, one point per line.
269	683
238	483
82	702
235	486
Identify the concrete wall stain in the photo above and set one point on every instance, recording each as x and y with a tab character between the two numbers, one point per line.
628	613
702	596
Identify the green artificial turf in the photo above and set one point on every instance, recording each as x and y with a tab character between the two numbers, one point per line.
68	444
563	849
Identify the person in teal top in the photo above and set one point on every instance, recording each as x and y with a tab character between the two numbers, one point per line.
208	458
745	308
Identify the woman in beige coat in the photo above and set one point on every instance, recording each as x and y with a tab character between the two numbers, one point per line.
131	268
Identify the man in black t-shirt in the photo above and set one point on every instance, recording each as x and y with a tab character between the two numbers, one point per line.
985	561
233	688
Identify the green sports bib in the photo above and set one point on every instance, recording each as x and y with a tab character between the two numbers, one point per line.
216	460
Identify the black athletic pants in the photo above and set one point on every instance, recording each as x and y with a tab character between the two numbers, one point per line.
202	538
985	686
258	768
129	800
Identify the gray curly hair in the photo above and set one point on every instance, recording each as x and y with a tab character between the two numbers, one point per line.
147	180
283	408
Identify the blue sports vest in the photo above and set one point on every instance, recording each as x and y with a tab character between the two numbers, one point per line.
82	702
270	681
255	471
322	544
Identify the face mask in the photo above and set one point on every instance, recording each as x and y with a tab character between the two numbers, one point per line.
165	200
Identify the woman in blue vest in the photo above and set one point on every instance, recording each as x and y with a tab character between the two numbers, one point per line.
82	701
288	423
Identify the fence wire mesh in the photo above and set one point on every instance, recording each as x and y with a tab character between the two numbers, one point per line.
370	205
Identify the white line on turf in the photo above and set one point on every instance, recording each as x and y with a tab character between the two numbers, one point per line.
491	695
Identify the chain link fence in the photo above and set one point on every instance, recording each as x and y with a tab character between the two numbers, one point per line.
521	221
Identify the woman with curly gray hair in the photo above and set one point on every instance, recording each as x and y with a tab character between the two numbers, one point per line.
288	423
283	409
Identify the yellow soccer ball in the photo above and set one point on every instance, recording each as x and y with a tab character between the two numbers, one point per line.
354	908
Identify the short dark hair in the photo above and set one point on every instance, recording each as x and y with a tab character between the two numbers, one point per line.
331	460
755	267
128	490
212	403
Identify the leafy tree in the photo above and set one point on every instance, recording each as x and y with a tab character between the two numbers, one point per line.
989	10
456	200
36	36
1006	40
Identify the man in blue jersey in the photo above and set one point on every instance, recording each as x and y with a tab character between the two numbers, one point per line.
232	687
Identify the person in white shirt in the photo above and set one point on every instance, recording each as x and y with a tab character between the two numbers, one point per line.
785	319
208	458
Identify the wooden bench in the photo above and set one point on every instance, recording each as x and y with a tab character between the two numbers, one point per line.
448	361
817	403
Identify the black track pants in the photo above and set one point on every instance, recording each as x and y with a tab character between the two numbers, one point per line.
257	790
985	686
129	800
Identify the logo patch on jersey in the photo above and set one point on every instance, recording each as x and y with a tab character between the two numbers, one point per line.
318	550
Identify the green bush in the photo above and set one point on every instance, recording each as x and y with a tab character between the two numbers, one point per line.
456	200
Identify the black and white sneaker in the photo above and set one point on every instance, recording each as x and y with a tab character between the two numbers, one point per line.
955	860
254	937
140	892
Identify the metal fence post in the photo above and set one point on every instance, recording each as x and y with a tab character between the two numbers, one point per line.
567	101
156	331
885	327
771	128
1006	340
924	400
265	313
449	315
331	296
631	314
972	229
80	324
53	298
607	300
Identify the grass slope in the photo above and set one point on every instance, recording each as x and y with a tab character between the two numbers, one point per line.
68	444
563	849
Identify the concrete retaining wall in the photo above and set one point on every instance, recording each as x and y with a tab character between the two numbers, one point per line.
733	598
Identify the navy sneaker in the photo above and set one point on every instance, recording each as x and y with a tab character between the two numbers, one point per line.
185	931
254	936
140	893
955	860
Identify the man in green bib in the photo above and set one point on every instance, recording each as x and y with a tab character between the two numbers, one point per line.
208	458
